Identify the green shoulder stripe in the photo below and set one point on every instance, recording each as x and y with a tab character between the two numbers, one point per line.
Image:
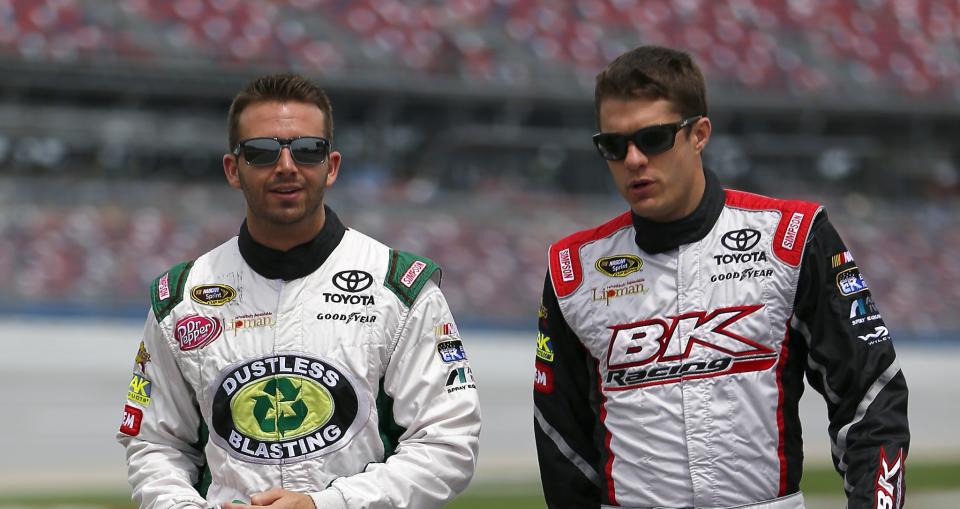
167	290
407	274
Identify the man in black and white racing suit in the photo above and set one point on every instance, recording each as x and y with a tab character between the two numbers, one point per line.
674	339
300	364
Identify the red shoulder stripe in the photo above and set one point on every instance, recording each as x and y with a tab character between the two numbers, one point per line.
795	221
565	267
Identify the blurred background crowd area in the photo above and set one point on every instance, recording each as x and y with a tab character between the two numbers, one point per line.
465	127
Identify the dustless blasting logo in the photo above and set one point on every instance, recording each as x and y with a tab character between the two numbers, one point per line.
352	281
286	408
740	240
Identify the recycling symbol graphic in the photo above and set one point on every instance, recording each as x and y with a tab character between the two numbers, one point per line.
286	407
280	409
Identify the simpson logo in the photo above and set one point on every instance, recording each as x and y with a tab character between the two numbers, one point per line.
841	259
285	408
566	266
194	331
544	347
652	352
888	493
793	228
410	276
140	389
213	295
619	265
543	378
850	282
130	424
163	287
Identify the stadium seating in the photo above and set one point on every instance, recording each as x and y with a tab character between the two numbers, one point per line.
493	251
800	46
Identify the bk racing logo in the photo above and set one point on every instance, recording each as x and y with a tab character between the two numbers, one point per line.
286	408
692	345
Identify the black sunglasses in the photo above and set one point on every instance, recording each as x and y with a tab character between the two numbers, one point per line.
266	151
651	140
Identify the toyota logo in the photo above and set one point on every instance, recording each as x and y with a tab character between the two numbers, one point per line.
740	240
352	280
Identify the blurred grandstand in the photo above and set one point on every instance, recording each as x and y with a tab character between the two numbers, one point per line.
465	127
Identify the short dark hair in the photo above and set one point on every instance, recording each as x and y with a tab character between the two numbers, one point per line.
654	72
279	87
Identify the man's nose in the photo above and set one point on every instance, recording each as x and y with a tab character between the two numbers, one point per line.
285	162
635	157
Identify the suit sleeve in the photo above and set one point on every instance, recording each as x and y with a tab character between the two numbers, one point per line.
429	414
160	429
852	363
565	419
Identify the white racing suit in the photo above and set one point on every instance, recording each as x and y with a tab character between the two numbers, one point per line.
348	382
670	376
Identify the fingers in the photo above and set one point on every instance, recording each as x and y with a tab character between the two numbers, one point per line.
268	497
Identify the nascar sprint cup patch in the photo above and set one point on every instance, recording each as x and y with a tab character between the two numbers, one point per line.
286	407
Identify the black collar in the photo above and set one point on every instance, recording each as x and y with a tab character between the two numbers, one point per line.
654	237
297	262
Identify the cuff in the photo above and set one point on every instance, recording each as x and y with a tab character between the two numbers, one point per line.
330	498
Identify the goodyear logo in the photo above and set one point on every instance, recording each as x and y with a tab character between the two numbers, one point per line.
140	389
213	295
544	347
619	265
285	408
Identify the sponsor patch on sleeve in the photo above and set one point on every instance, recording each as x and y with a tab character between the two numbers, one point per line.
543	378
130	425
140	390
460	379
850	281
412	273
841	259
142	358
544	347
446	331
451	351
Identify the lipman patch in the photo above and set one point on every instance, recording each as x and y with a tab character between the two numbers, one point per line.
286	408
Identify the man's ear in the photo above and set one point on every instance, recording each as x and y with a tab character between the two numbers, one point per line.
231	170
333	162
701	133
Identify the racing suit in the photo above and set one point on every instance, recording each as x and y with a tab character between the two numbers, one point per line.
670	361
333	369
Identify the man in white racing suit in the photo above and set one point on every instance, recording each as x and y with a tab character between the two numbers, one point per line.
673	339
300	364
